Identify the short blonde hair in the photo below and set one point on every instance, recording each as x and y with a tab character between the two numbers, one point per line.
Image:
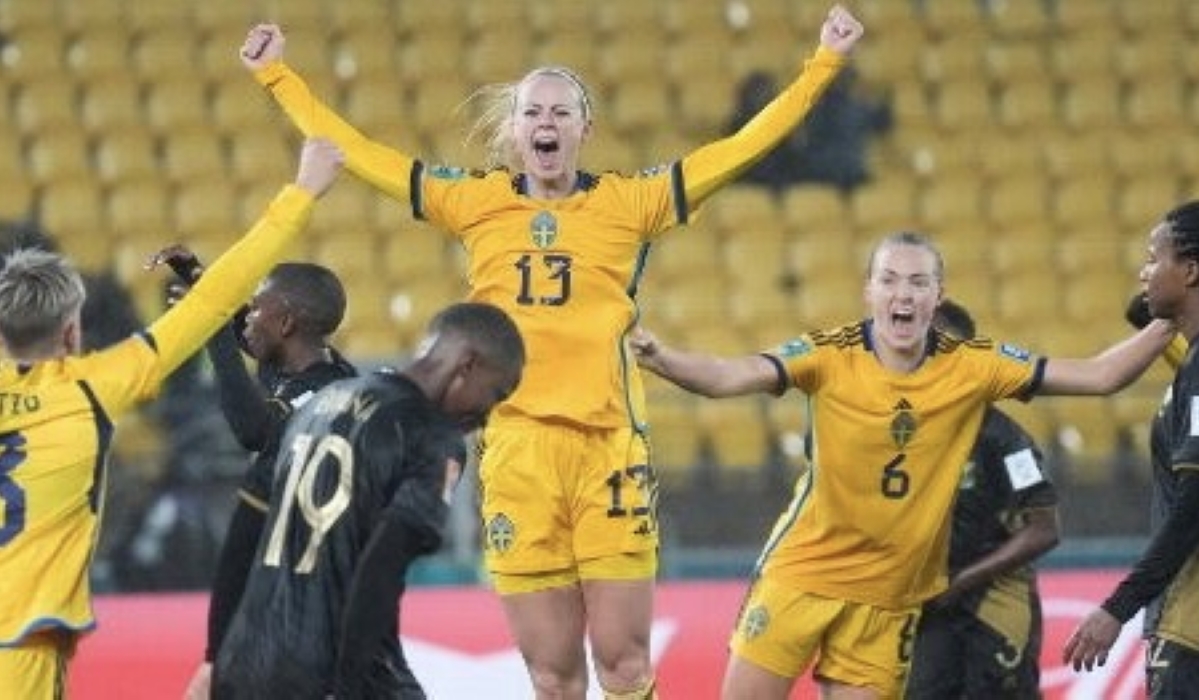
39	292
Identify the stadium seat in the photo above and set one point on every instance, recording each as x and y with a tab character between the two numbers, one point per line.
735	430
196	152
951	203
176	105
350	252
36	53
639	104
884	205
95	18
1091	294
498	57
258	154
45	105
1141	201
140	210
367	50
1015	61
416	250
240	106
438	103
72	209
125	155
675	447
1071	154
1090	103
168	53
1018	19
813	209
18	199
832	300
149	17
99	54
1084	200
1150	21
1029	297
1018	201
1089	434
955	59
962	105
950	18
743	209
700	300
1152	104
207	207
630	57
571	48
111	104
1085	55
226	21
349	18
1027	107
61	153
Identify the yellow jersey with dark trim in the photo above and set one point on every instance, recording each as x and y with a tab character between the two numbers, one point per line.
870	519
56	427
566	271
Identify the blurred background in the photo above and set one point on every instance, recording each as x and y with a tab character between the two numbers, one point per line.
1037	141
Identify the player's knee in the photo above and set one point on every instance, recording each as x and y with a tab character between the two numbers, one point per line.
554	684
647	690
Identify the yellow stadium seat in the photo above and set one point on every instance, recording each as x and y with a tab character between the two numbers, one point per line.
571	48
812	209
1018	19
698	301
240	106
702	108
1029	298
640	104
629	57
351	253
955	59
831	300
1135	152
735	430
1070	154
883	206
1088	432
140	210
1091	103
822	254
159	15
1027	106
1141	202
345	212
72	208
19	17
438	102
434	57
61	153
1075	18
1091	296
691	251
258	154
95	18
175	105
1083	55
99	53
674	436
352	17
111	104
18	199
36	53
1015	61
193	153
207	207
1155	103
125	155
498	57
418	250
1020	200
168	53
744	209
963	105
949	18
951	204
228	20
45	105
367	49
1035	417
1150	21
1085	199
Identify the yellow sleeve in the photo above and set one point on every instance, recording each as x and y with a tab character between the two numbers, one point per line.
1176	351
713	165
385	168
230	281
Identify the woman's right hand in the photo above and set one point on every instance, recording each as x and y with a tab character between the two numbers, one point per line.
263	46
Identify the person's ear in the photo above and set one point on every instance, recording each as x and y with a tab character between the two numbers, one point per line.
72	336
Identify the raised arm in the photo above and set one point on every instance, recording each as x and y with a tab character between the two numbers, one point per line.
382	166
707	375
182	330
1111	370
712	166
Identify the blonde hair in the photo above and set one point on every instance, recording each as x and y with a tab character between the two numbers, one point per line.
497	106
39	292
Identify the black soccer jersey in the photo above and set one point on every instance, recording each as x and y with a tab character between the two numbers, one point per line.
363	457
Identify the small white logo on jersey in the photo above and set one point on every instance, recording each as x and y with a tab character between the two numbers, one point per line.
1022	469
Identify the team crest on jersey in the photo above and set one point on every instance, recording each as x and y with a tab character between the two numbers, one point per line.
1016	353
903	425
794	348
445	172
755	622
501	533
543	229
654	170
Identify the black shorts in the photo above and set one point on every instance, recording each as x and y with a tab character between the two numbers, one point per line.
1171	670
955	656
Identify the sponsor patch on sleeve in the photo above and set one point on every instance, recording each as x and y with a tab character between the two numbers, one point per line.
794	348
1022	469
446	172
1014	352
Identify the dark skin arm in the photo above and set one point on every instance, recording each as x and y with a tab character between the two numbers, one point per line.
1039	535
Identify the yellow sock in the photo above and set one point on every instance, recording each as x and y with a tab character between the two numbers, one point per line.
647	691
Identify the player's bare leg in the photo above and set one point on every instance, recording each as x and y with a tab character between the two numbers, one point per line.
549	627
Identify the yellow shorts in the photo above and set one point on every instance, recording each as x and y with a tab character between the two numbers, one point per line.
783	630
37	669
568	503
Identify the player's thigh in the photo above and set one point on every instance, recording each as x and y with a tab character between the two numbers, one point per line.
36	670
619	618
869	647
549	626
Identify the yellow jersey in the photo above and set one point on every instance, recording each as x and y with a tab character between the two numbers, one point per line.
870	518
56	425
567	269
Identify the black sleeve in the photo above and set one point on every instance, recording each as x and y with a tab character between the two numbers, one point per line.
233	568
253	418
372	602
1168	551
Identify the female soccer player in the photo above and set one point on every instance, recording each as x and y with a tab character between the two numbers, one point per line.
568	493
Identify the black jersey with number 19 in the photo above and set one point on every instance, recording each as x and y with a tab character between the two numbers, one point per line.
362	456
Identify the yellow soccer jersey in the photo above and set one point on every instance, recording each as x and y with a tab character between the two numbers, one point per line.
869	521
567	269
56	425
